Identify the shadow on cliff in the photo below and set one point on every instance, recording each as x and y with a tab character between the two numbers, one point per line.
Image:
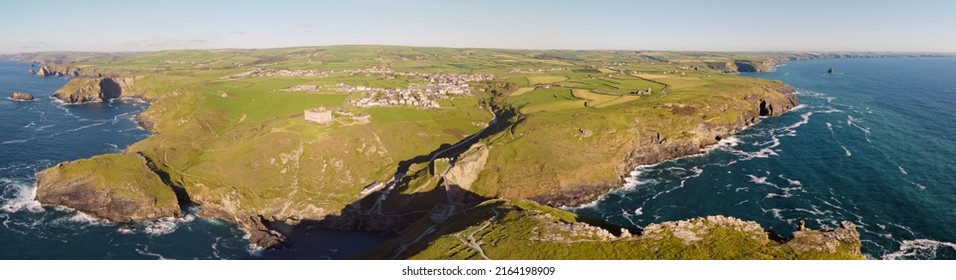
379	216
367	223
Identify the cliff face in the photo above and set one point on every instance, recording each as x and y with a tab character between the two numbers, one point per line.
81	90
116	187
466	169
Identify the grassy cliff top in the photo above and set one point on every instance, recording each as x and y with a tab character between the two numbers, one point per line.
502	229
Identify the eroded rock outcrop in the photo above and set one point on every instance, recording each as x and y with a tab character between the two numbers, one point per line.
21	96
81	90
466	168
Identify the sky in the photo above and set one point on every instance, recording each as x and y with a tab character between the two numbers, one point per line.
726	25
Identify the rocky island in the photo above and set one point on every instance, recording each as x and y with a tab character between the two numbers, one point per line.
546	129
21	96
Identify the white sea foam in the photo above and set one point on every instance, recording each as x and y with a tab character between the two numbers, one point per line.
919	249
41	128
846	151
83	218
853	122
639	211
117	118
166	225
804	119
829	110
23	197
160	227
16	141
902	170
731	141
918	185
760	180
145	251
776	213
78	129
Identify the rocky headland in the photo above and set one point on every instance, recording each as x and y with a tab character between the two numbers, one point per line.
116	187
82	90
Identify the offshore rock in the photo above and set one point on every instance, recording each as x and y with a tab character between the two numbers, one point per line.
21	96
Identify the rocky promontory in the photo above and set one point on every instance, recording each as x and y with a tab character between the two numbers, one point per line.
524	230
21	96
116	187
81	90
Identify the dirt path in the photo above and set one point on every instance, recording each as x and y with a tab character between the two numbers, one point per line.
473	243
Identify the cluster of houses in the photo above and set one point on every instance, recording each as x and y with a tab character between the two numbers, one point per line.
529	70
196	64
259	72
424	95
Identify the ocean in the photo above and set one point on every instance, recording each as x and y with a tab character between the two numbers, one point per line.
874	144
39	134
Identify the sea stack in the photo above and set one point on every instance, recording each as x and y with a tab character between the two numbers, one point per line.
43	72
830	71
21	96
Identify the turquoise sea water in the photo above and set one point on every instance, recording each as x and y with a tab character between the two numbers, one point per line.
874	144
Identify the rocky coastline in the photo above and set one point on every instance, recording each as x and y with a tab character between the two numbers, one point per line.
650	150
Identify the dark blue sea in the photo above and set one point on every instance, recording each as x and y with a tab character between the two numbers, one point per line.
39	134
873	143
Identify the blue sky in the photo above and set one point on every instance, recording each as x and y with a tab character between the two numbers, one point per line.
729	25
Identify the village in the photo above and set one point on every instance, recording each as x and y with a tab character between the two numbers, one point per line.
436	86
259	72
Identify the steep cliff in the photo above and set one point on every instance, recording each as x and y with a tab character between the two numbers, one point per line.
81	90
